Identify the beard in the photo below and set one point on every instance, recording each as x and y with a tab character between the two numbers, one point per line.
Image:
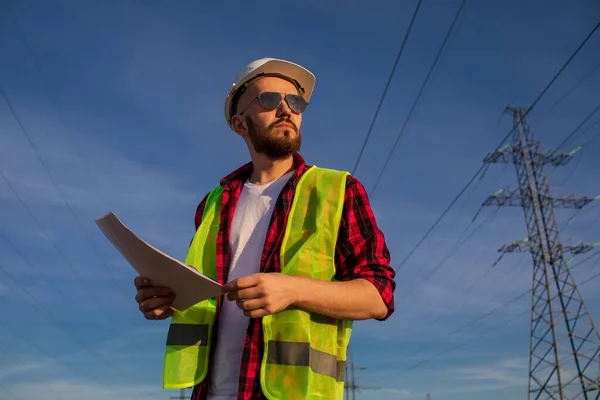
274	147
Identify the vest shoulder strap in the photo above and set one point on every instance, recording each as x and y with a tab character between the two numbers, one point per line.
329	172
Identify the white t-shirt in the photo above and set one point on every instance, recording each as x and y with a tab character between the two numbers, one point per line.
247	238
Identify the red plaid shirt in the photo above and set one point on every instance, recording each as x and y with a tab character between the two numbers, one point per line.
361	252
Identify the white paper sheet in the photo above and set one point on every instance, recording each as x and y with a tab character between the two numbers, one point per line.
189	285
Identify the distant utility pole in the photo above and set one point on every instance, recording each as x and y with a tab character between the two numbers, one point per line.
350	386
181	395
564	343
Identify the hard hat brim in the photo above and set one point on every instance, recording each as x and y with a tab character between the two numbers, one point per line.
303	78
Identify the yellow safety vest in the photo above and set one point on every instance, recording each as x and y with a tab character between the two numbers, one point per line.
305	353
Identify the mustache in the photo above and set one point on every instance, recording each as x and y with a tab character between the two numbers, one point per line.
284	120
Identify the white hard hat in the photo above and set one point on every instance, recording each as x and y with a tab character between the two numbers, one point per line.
300	76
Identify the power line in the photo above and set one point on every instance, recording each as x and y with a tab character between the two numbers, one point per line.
495	328
593	222
481	334
58	323
10	392
40	273
46	236
483	165
55	184
40	305
400	52
464	292
14	396
587	143
88	171
6	355
38	347
590	73
585	120
461	328
420	93
435	224
459	243
594	138
461	240
591	278
581	147
492	329
494	311
587	38
571	172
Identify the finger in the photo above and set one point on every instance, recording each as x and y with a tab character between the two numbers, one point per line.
251	305
261	312
245	294
141	281
152	291
241	283
159	313
155	302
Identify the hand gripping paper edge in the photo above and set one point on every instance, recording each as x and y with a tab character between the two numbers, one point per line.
188	284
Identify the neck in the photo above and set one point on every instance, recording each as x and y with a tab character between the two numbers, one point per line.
265	170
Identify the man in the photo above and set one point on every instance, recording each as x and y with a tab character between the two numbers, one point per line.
298	252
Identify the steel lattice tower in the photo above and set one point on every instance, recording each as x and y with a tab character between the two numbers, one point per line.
564	343
350	385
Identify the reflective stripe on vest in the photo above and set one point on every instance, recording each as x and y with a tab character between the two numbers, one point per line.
301	354
187	335
305	353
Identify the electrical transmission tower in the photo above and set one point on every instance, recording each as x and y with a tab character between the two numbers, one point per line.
181	395
564	343
351	387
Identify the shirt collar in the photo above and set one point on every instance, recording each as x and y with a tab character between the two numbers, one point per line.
241	175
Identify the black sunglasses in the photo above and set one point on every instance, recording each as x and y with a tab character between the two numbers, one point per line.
272	100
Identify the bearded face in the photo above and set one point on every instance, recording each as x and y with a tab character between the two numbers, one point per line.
275	142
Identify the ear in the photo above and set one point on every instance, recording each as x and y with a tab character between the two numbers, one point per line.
239	125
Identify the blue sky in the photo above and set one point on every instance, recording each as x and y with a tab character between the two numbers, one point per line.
122	102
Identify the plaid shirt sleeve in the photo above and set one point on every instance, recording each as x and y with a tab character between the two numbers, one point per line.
200	212
361	251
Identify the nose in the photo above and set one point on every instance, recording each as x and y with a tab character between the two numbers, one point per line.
283	109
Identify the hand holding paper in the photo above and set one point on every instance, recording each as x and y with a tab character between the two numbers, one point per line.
187	284
155	302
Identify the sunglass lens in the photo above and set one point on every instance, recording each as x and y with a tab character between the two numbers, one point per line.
270	100
296	103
